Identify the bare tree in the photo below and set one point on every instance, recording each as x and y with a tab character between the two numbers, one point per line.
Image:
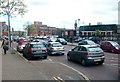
12	8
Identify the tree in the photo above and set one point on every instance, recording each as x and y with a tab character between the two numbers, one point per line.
97	33
11	8
29	26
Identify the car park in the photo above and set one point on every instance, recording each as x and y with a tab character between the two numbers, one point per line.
86	54
110	46
55	48
62	41
35	49
87	42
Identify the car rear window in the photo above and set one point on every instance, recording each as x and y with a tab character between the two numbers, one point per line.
91	42
94	49
115	44
37	46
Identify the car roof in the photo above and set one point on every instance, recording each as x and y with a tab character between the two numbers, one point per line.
35	42
87	46
109	41
54	42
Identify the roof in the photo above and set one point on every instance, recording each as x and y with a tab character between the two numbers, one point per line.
110	27
54	42
35	43
88	46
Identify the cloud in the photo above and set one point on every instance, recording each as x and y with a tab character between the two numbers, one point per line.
60	13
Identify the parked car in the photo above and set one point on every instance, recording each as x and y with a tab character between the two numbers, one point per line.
21	45
62	41
78	39
86	54
87	42
55	48
110	46
52	39
35	49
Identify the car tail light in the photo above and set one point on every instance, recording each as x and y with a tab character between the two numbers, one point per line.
20	46
30	50
89	53
101	52
20	43
44	49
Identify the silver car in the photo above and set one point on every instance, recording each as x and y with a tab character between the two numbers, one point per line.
55	48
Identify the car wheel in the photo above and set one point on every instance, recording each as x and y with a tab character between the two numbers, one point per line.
45	57
83	62
68	57
29	57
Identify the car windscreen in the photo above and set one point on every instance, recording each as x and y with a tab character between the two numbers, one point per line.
56	45
95	49
61	39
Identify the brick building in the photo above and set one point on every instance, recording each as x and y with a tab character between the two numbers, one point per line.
42	30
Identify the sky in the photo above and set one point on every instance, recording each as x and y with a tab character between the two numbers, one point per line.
63	13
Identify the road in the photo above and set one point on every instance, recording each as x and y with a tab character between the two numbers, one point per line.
107	71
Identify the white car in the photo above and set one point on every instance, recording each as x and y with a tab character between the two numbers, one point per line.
55	48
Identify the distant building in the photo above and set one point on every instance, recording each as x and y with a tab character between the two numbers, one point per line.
106	30
3	29
42	30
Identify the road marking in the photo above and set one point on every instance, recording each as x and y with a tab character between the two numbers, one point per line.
59	79
114	65
86	78
24	57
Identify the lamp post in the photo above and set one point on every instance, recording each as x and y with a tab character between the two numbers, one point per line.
76	25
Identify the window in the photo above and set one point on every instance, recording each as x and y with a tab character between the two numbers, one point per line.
82	49
76	48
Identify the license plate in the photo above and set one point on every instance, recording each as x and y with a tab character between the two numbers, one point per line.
97	59
39	51
58	49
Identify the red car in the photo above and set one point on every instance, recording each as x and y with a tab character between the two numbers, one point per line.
110	46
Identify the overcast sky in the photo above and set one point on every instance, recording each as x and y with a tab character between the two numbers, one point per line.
63	13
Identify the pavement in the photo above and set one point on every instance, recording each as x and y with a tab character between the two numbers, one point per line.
14	67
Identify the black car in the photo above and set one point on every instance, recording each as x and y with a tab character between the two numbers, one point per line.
35	49
86	54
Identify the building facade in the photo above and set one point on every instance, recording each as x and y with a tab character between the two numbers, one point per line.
42	30
105	30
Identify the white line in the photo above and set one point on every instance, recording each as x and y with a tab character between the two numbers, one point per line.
55	78
60	79
113	65
76	71
22	56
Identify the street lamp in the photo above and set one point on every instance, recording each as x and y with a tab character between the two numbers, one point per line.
77	26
